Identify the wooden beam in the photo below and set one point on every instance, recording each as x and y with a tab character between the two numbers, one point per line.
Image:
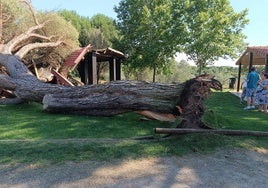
62	79
112	69
182	131
239	77
92	69
86	72
266	63
118	69
250	61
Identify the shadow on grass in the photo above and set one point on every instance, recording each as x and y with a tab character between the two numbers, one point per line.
54	153
30	122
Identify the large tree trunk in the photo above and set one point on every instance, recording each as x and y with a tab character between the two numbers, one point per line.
114	98
117	97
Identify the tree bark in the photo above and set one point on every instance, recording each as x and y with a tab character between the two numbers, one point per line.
114	98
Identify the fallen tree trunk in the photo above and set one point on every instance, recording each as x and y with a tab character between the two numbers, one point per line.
178	131
185	99
115	98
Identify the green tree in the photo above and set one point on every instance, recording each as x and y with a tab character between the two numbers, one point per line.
98	40
82	24
213	30
107	28
179	72
147	33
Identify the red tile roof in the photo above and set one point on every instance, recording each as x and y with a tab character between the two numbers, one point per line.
74	58
259	55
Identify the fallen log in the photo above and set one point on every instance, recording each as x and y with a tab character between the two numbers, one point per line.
184	99
179	131
115	98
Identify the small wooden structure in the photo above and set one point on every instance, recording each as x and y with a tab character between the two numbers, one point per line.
87	59
253	55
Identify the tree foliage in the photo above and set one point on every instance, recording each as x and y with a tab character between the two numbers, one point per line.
213	30
15	19
179	72
152	31
107	28
146	32
82	24
99	30
33	36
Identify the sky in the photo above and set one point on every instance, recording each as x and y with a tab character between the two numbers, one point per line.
256	31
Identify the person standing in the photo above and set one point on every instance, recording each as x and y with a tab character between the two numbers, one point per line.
252	81
262	93
244	89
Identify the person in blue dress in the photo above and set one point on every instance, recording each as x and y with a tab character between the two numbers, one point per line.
262	93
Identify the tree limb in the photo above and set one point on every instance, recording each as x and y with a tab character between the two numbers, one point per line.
27	2
25	49
24	36
6	82
9	101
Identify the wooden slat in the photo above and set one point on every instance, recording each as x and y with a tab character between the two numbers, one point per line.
61	78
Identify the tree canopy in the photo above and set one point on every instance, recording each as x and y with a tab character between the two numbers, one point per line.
145	27
153	31
213	30
82	24
99	30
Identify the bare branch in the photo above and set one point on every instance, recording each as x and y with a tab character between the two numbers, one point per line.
24	36
24	50
28	3
41	36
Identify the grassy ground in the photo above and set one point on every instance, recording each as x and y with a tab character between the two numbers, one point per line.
30	135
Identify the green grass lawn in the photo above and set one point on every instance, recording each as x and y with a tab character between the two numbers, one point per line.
37	132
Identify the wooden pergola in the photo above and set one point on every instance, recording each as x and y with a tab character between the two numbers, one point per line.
253	55
87	59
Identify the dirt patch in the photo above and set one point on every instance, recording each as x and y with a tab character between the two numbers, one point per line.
227	168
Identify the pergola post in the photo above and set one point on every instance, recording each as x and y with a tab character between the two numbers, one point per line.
118	69
239	76
250	61
84	77
266	63
112	69
92	69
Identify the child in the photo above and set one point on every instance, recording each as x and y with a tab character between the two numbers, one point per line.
244	89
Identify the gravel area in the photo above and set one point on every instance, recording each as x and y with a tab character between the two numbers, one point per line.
226	169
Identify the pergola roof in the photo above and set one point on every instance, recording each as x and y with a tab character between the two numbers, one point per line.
75	57
102	55
107	53
259	56
253	55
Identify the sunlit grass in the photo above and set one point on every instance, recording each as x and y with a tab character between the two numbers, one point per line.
29	122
